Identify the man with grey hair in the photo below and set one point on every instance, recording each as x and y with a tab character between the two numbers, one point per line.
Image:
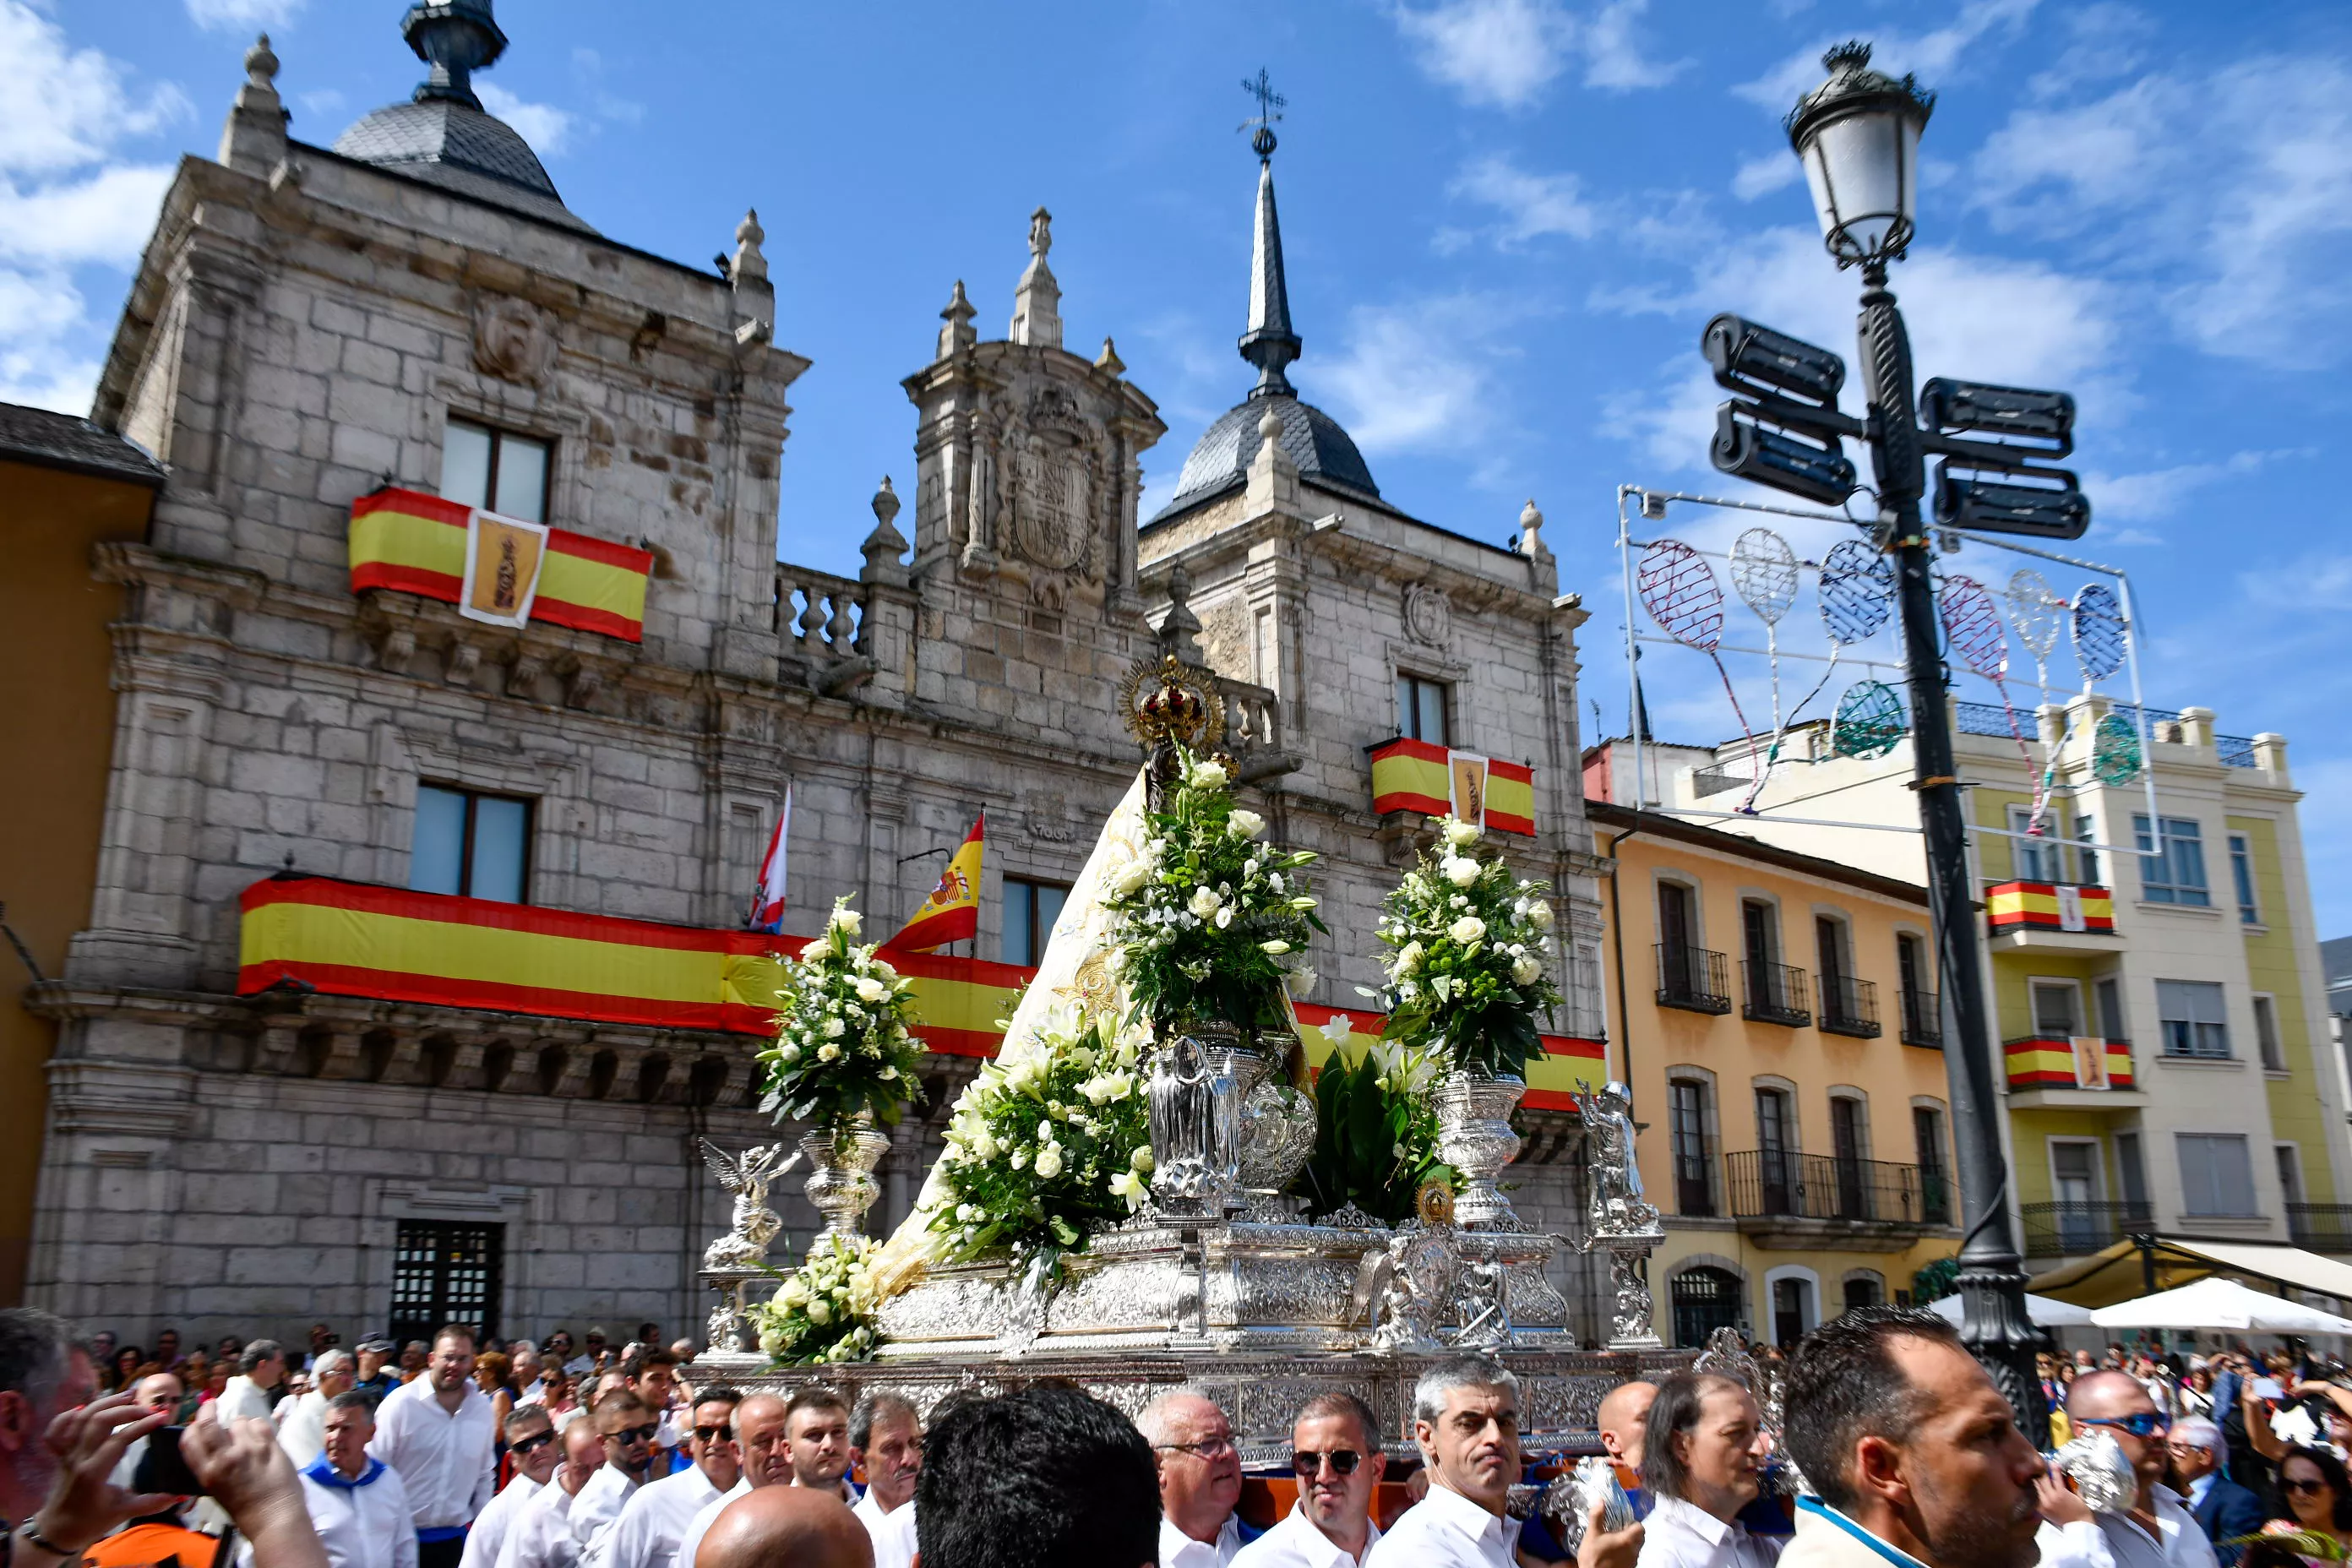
886	1440
303	1419
253	1392
1465	1419
2222	1508
42	1371
1200	1480
1335	1451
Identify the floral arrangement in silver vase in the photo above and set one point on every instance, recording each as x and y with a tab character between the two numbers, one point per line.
842	1053
822	1313
1469	963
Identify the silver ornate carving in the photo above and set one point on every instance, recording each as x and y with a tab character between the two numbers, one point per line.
1277	1138
1474	1137
1632	1312
1568	1501
841	1183
1195	1128
737	1260
1618	1206
1483	1298
2103	1478
1428	613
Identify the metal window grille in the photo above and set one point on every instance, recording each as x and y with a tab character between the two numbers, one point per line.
446	1272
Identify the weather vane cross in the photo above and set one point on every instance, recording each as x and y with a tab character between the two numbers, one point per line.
1270	105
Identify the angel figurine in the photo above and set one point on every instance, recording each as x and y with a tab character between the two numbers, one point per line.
1618	1206
746	1176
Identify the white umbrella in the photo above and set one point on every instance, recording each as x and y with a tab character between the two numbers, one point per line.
2047	1312
2219	1304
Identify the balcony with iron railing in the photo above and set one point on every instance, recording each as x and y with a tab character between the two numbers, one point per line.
1693	979
2322	1227
1795	1201
2074	1229
1923	1017
1850	1007
1773	994
2164	725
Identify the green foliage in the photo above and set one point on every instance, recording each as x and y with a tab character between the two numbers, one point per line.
1212	923
1470	959
842	1043
1935	1280
1043	1152
1375	1134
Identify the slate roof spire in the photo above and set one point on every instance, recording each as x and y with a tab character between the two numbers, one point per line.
1269	343
456	38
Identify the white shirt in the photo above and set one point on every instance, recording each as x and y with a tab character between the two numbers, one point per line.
654	1521
496	1521
241	1399
1679	1534
1178	1549
691	1542
449	1462
2119	1541
1447	1530
302	1430
1295	1542
893	1532
597	1508
362	1526
540	1527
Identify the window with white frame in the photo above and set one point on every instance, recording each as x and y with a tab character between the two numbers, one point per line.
2266	1034
2217	1173
2241	872
2172	865
496	469
2194	1019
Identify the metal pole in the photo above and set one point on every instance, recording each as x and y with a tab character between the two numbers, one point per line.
1994	1323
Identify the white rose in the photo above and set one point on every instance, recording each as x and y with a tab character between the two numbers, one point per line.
1142	1159
1224	918
1207	776
1460	870
1462	834
1129	878
1540	912
828	1053
771	1342
1525	970
1049	1161
1408	958
1466	930
832	1030
870	989
847	920
1301	982
792	1053
1205	902
1275	949
1246	825
819	1313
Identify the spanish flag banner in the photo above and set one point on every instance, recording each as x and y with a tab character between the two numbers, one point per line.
1418	776
952	912
2043	906
496	568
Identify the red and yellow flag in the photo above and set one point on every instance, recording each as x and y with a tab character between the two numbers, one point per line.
418	544
952	912
1417	775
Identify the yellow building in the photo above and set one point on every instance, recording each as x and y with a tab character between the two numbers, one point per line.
1770	1012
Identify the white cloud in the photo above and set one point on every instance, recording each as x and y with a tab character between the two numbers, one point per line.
1532	205
243	13
1762	177
325	101
2161	492
66	107
1504	53
38	313
1613	56
1421	376
546	128
106	217
1935	55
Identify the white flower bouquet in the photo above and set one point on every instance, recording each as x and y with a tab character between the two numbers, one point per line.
822	1313
1043	1152
1212	922
842	1044
1469	965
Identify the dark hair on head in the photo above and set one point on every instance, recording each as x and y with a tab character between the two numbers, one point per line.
880	1406
1676	1414
622	1400
34	1349
815	1397
355	1400
1843	1384
1048	1478
2331	1470
524	1417
1340	1403
637	1363
718	1394
456	1332
257	1352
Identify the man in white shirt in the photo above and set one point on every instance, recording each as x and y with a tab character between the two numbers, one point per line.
440	1433
2158	1532
1465	1419
543	1525
654	1521
816	1429
302	1421
1702	1458
253	1392
531	1440
627	1429
886	1440
1335	1450
357	1504
1912	1450
1200	1480
761	1422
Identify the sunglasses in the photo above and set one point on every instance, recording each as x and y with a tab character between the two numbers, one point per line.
531	1445
644	1433
2305	1488
723	1433
1343	1461
1207	1448
2147	1424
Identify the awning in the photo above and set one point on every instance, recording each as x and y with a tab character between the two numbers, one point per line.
2217	1303
2119	1272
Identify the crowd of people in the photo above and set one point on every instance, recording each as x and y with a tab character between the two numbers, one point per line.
441	1454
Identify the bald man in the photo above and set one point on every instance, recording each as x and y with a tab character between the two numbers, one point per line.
800	1525
541	1536
766	1456
1624	1412
2159	1532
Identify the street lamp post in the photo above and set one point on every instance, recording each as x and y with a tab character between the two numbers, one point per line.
1858	136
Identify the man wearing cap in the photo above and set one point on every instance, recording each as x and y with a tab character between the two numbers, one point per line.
376	1377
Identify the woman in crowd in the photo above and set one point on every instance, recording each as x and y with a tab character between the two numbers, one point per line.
560	1404
195	1375
2318	1499
125	1369
494	1375
2197	1391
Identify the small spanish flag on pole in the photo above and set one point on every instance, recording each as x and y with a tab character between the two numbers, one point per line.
952	912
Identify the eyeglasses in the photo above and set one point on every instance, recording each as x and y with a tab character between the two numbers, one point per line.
1307	1462
2147	1424
723	1433
2305	1489
644	1433
1207	1448
530	1444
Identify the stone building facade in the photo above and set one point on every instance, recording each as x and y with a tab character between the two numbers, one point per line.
309	325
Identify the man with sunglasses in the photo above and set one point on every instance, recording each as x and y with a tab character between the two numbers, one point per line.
2221	1508
654	1521
573	1538
1200	1480
531	1440
762	1424
2159	1532
540	1534
1335	1451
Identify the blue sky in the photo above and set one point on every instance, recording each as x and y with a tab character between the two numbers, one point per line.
1507	221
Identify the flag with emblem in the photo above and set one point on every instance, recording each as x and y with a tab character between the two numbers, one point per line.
952	912
768	899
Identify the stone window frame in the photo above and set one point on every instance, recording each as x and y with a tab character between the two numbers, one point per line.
556	784
1405	658
539	414
387	1200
